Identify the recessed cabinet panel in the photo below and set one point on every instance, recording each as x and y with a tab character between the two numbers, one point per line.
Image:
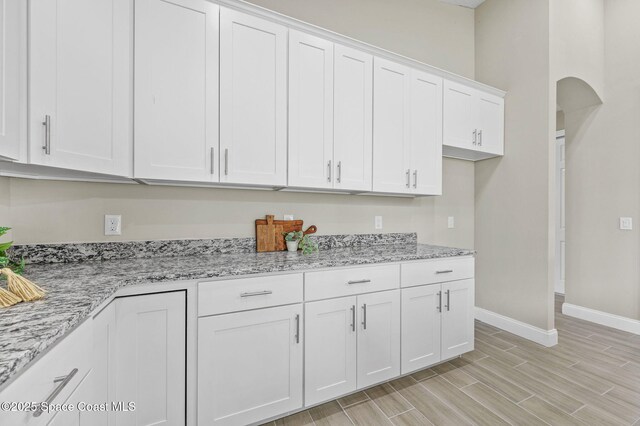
420	327
491	123
253	100
459	129
310	111
458	301
81	85
353	126
176	77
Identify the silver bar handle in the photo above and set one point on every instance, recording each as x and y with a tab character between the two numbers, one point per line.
329	171
408	178
64	381
364	316
297	328
353	318
479	137
213	159
440	301
448	305
415	178
359	281
445	271
47	134
256	293
339	177
475	136
226	161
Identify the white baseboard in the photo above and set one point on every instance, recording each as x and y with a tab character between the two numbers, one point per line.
544	337
610	320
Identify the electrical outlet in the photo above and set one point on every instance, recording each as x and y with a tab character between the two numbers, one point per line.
451	223
112	224
626	223
378	222
288	217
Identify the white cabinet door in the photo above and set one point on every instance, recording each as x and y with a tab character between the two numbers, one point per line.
426	133
253	100
420	327
490	123
150	358
75	418
460	116
249	365
13	73
103	365
176	90
353	126
457	318
81	85
391	127
310	111
330	349
378	337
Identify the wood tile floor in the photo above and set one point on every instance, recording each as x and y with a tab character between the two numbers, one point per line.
592	377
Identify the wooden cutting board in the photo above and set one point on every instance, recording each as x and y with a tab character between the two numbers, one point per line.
270	233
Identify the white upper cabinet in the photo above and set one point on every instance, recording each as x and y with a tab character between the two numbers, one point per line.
176	90
473	123
253	100
310	111
81	85
353	115
407	133
13	107
391	132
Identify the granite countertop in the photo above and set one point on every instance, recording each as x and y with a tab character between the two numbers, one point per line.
76	289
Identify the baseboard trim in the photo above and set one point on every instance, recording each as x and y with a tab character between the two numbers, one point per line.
603	318
544	337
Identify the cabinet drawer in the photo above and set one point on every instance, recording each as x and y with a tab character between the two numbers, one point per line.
37	383
217	297
347	282
437	271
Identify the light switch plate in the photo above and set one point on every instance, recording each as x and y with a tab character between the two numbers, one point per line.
112	224
288	217
451	222
626	223
378	222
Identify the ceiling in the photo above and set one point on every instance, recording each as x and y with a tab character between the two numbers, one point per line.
471	4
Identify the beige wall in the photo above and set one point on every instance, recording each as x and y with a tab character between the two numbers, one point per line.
514	268
427	30
603	177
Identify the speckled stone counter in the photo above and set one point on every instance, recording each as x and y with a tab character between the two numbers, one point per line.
74	290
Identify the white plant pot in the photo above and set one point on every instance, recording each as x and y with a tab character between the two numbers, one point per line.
292	245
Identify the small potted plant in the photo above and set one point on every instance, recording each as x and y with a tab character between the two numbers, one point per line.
298	240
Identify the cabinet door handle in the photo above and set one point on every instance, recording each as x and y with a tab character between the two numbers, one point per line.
353	318
439	301
364	316
415	178
339	177
226	161
47	134
297	328
448	305
64	381
475	136
329	171
359	281
256	293
408	178
479	137
445	271
213	158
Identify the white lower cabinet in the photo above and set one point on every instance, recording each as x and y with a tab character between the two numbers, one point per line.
457	318
420	327
249	365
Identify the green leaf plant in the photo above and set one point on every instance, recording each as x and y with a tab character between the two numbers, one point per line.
5	260
305	243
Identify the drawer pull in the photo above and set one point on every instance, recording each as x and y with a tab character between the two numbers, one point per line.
446	271
256	293
359	282
64	381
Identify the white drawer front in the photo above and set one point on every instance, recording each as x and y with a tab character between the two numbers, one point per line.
218	297
36	384
437	271
347	282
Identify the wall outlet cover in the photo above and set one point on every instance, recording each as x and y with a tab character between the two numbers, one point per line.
288	217
378	222
626	223
451	223
112	224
